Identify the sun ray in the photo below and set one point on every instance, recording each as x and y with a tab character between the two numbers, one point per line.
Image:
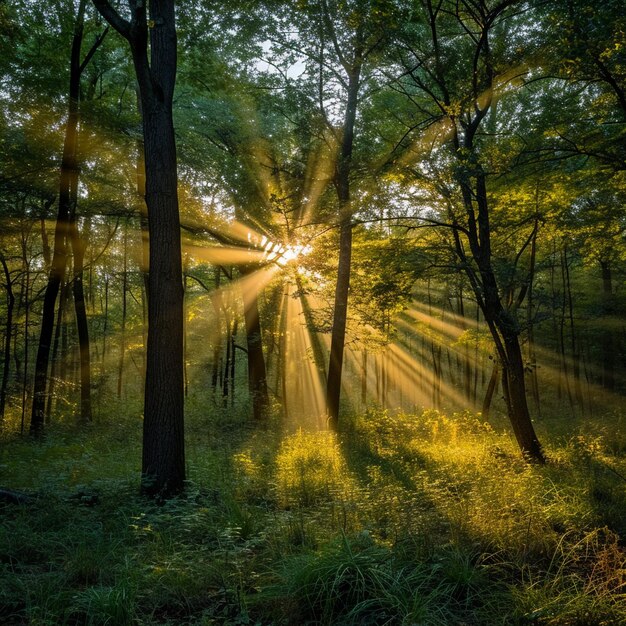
225	255
302	384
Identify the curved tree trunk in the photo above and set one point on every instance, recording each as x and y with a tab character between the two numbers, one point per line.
502	324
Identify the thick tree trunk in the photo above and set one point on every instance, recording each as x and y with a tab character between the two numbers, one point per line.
163	465
163	458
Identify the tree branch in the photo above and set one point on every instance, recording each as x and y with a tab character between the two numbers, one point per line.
122	26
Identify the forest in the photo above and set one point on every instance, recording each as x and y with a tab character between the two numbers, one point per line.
313	312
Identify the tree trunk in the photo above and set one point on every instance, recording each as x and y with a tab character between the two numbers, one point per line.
163	465
78	250
8	334
516	399
26	344
257	376
340	317
55	351
340	309
491	389
217	346
502	324
163	458
120	365
69	175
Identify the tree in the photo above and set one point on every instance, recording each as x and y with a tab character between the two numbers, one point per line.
8	285
65	229
339	41
163	458
457	57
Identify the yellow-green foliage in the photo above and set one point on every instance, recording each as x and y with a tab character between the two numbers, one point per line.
310	469
473	480
399	519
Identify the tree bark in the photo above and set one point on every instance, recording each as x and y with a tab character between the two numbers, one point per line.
340	309
163	457
340	317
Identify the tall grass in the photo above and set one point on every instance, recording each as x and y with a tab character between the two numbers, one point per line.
400	519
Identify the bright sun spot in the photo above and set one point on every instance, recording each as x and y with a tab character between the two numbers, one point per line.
282	254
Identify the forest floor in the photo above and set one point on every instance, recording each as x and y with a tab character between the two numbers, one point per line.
410	519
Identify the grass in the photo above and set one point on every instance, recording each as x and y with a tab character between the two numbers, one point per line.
407	519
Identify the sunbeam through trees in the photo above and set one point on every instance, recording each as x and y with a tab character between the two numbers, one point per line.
313	312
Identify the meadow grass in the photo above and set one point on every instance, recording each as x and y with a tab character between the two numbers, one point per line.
426	519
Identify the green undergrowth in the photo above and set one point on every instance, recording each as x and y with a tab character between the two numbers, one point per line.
400	519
